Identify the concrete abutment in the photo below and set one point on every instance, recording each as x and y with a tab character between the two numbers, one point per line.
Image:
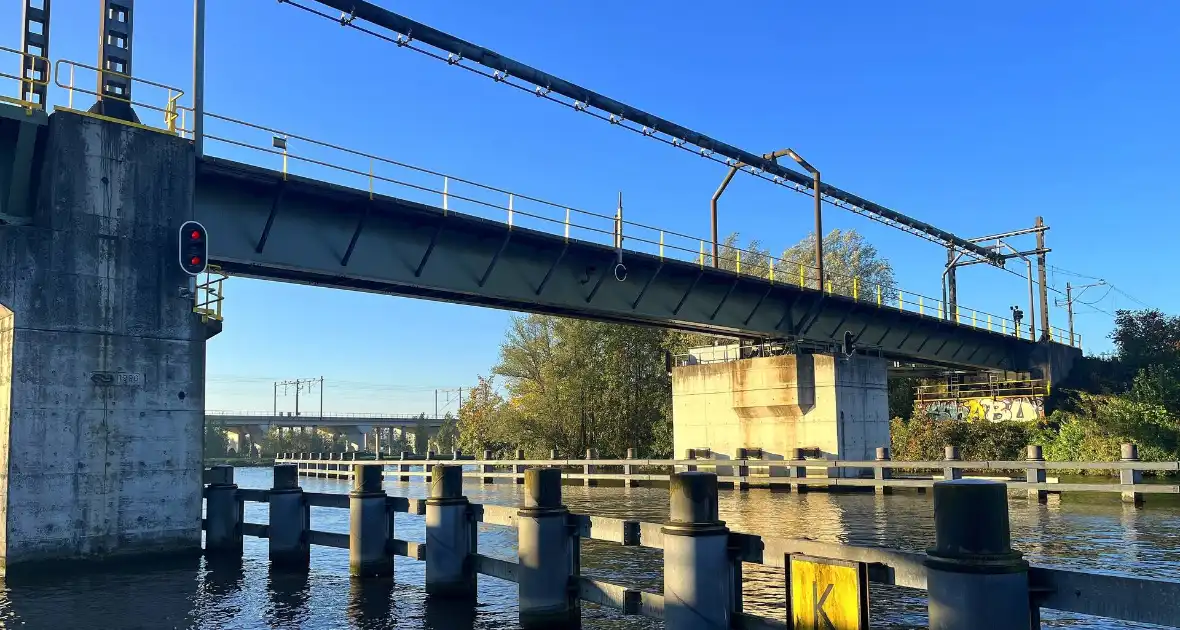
102	366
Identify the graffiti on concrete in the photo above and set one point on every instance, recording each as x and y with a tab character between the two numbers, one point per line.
1017	408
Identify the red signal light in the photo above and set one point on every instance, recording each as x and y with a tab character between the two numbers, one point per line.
193	243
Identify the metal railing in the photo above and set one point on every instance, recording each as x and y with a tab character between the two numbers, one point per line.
210	294
518	210
319	159
24	82
176	116
314	416
993	389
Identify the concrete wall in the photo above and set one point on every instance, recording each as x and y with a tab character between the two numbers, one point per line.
832	403
101	437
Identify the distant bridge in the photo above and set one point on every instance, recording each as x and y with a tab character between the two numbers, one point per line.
327	420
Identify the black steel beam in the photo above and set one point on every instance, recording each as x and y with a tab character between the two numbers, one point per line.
116	35
35	46
280	188
356	234
549	274
384	18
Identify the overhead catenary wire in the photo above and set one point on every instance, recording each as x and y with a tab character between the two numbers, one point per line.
622	116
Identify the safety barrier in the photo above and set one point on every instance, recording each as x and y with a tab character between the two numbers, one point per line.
971	573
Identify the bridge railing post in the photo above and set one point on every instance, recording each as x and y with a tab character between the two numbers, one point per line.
974	579
519	468
487	468
690	454
369	525
548	555
951	455
1036	474
798	471
430	456
450	536
1129	477
629	470
590	469
882	473
742	469
290	520
698	584
553	454
223	512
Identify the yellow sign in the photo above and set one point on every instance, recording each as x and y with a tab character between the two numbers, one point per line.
827	594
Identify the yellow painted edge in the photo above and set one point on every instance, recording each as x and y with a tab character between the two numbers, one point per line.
115	120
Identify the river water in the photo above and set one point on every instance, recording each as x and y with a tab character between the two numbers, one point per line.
1081	531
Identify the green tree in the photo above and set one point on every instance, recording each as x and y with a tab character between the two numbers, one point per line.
216	438
850	264
1147	338
447	437
421	431
574	385
903	392
482	424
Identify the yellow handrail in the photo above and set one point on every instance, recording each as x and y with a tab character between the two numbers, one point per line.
209	295
172	109
38	61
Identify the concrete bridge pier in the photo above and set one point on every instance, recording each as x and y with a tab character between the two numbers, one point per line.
101	431
244	440
835	404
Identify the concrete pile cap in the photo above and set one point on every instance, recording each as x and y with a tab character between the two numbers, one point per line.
542	488
971	522
446	482
692	498
366	478
286	476
221	475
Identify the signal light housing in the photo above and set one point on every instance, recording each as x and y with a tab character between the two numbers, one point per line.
193	248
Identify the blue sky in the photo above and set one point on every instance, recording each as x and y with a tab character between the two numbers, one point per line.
976	117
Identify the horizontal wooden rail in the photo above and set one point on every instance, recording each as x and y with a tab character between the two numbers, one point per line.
782	480
761	463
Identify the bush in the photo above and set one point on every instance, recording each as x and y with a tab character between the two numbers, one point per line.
923	438
1095	429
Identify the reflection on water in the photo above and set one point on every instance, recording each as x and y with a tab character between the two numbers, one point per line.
1080	531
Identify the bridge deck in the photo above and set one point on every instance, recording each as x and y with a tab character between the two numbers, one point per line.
266	225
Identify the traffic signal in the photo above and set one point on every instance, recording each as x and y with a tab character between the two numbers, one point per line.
194	248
